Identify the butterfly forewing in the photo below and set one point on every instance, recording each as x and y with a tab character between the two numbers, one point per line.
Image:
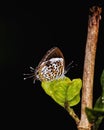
54	52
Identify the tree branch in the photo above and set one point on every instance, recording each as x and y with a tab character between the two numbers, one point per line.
89	63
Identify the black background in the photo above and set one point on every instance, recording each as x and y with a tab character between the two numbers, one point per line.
27	31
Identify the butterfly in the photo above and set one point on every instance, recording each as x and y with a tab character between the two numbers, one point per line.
51	66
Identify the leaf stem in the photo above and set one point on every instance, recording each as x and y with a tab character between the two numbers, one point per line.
72	113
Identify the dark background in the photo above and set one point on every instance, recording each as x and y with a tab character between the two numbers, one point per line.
27	31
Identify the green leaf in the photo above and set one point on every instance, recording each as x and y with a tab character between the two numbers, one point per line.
74	101
102	83
96	114
98	122
99	105
64	90
102	79
93	115
73	92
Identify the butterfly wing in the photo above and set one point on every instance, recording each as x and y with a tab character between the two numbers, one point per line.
54	52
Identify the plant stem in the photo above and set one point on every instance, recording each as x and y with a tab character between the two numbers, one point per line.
72	113
89	63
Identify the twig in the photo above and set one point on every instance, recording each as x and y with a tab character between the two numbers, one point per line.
89	63
72	113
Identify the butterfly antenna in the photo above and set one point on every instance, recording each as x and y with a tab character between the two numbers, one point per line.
32	69
68	67
34	81
28	76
